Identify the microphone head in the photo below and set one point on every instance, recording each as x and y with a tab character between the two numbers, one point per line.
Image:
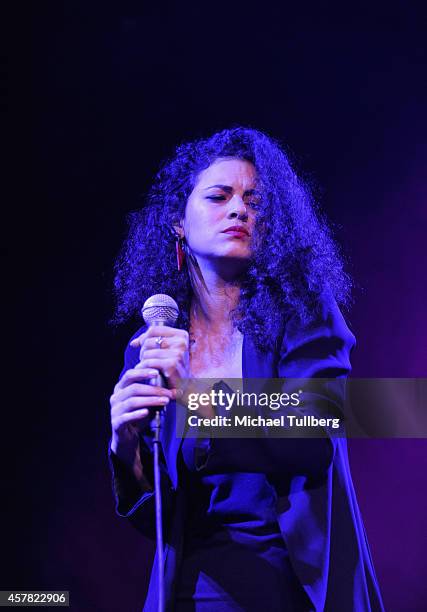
160	309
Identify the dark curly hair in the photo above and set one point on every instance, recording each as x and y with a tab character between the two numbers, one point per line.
292	263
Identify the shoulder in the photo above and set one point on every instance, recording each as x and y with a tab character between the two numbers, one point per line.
328	321
322	344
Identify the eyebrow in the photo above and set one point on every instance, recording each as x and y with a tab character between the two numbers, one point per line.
229	189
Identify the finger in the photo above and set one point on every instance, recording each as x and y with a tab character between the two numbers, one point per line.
138	341
150	372
152	343
160	330
157	353
165	365
141	390
130	417
176	393
135	403
136	375
177	342
165	331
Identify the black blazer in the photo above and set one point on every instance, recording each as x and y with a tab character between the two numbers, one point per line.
317	512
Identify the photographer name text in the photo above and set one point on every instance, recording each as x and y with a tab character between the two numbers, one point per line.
259	421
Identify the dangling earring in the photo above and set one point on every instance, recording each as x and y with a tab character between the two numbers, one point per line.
180	253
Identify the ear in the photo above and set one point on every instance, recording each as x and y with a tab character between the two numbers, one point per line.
178	230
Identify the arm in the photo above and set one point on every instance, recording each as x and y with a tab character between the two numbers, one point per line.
131	466
319	350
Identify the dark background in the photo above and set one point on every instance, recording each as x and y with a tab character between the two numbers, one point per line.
102	92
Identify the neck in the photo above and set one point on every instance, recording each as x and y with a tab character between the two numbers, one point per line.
215	296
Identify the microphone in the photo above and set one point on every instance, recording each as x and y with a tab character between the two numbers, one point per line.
160	309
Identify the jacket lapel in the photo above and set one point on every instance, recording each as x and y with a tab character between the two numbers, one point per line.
254	366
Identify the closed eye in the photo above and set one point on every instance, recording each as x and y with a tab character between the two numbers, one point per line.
217	198
255	204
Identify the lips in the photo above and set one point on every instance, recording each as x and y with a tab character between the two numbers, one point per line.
236	229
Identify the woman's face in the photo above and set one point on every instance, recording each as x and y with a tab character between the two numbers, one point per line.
224	197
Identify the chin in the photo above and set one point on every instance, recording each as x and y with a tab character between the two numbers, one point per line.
236	254
237	249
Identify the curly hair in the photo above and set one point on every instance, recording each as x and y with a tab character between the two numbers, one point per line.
294	256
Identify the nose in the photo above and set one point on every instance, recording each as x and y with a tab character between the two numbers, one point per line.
237	208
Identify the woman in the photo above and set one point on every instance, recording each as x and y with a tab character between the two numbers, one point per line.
249	523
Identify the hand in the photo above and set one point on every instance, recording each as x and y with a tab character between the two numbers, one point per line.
129	408
172	358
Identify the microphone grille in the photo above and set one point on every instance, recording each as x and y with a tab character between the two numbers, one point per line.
160	308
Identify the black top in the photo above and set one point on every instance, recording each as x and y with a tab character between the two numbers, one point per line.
234	556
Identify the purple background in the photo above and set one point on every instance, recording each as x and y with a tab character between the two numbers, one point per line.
112	90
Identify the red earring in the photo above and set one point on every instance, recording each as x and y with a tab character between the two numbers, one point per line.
180	253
